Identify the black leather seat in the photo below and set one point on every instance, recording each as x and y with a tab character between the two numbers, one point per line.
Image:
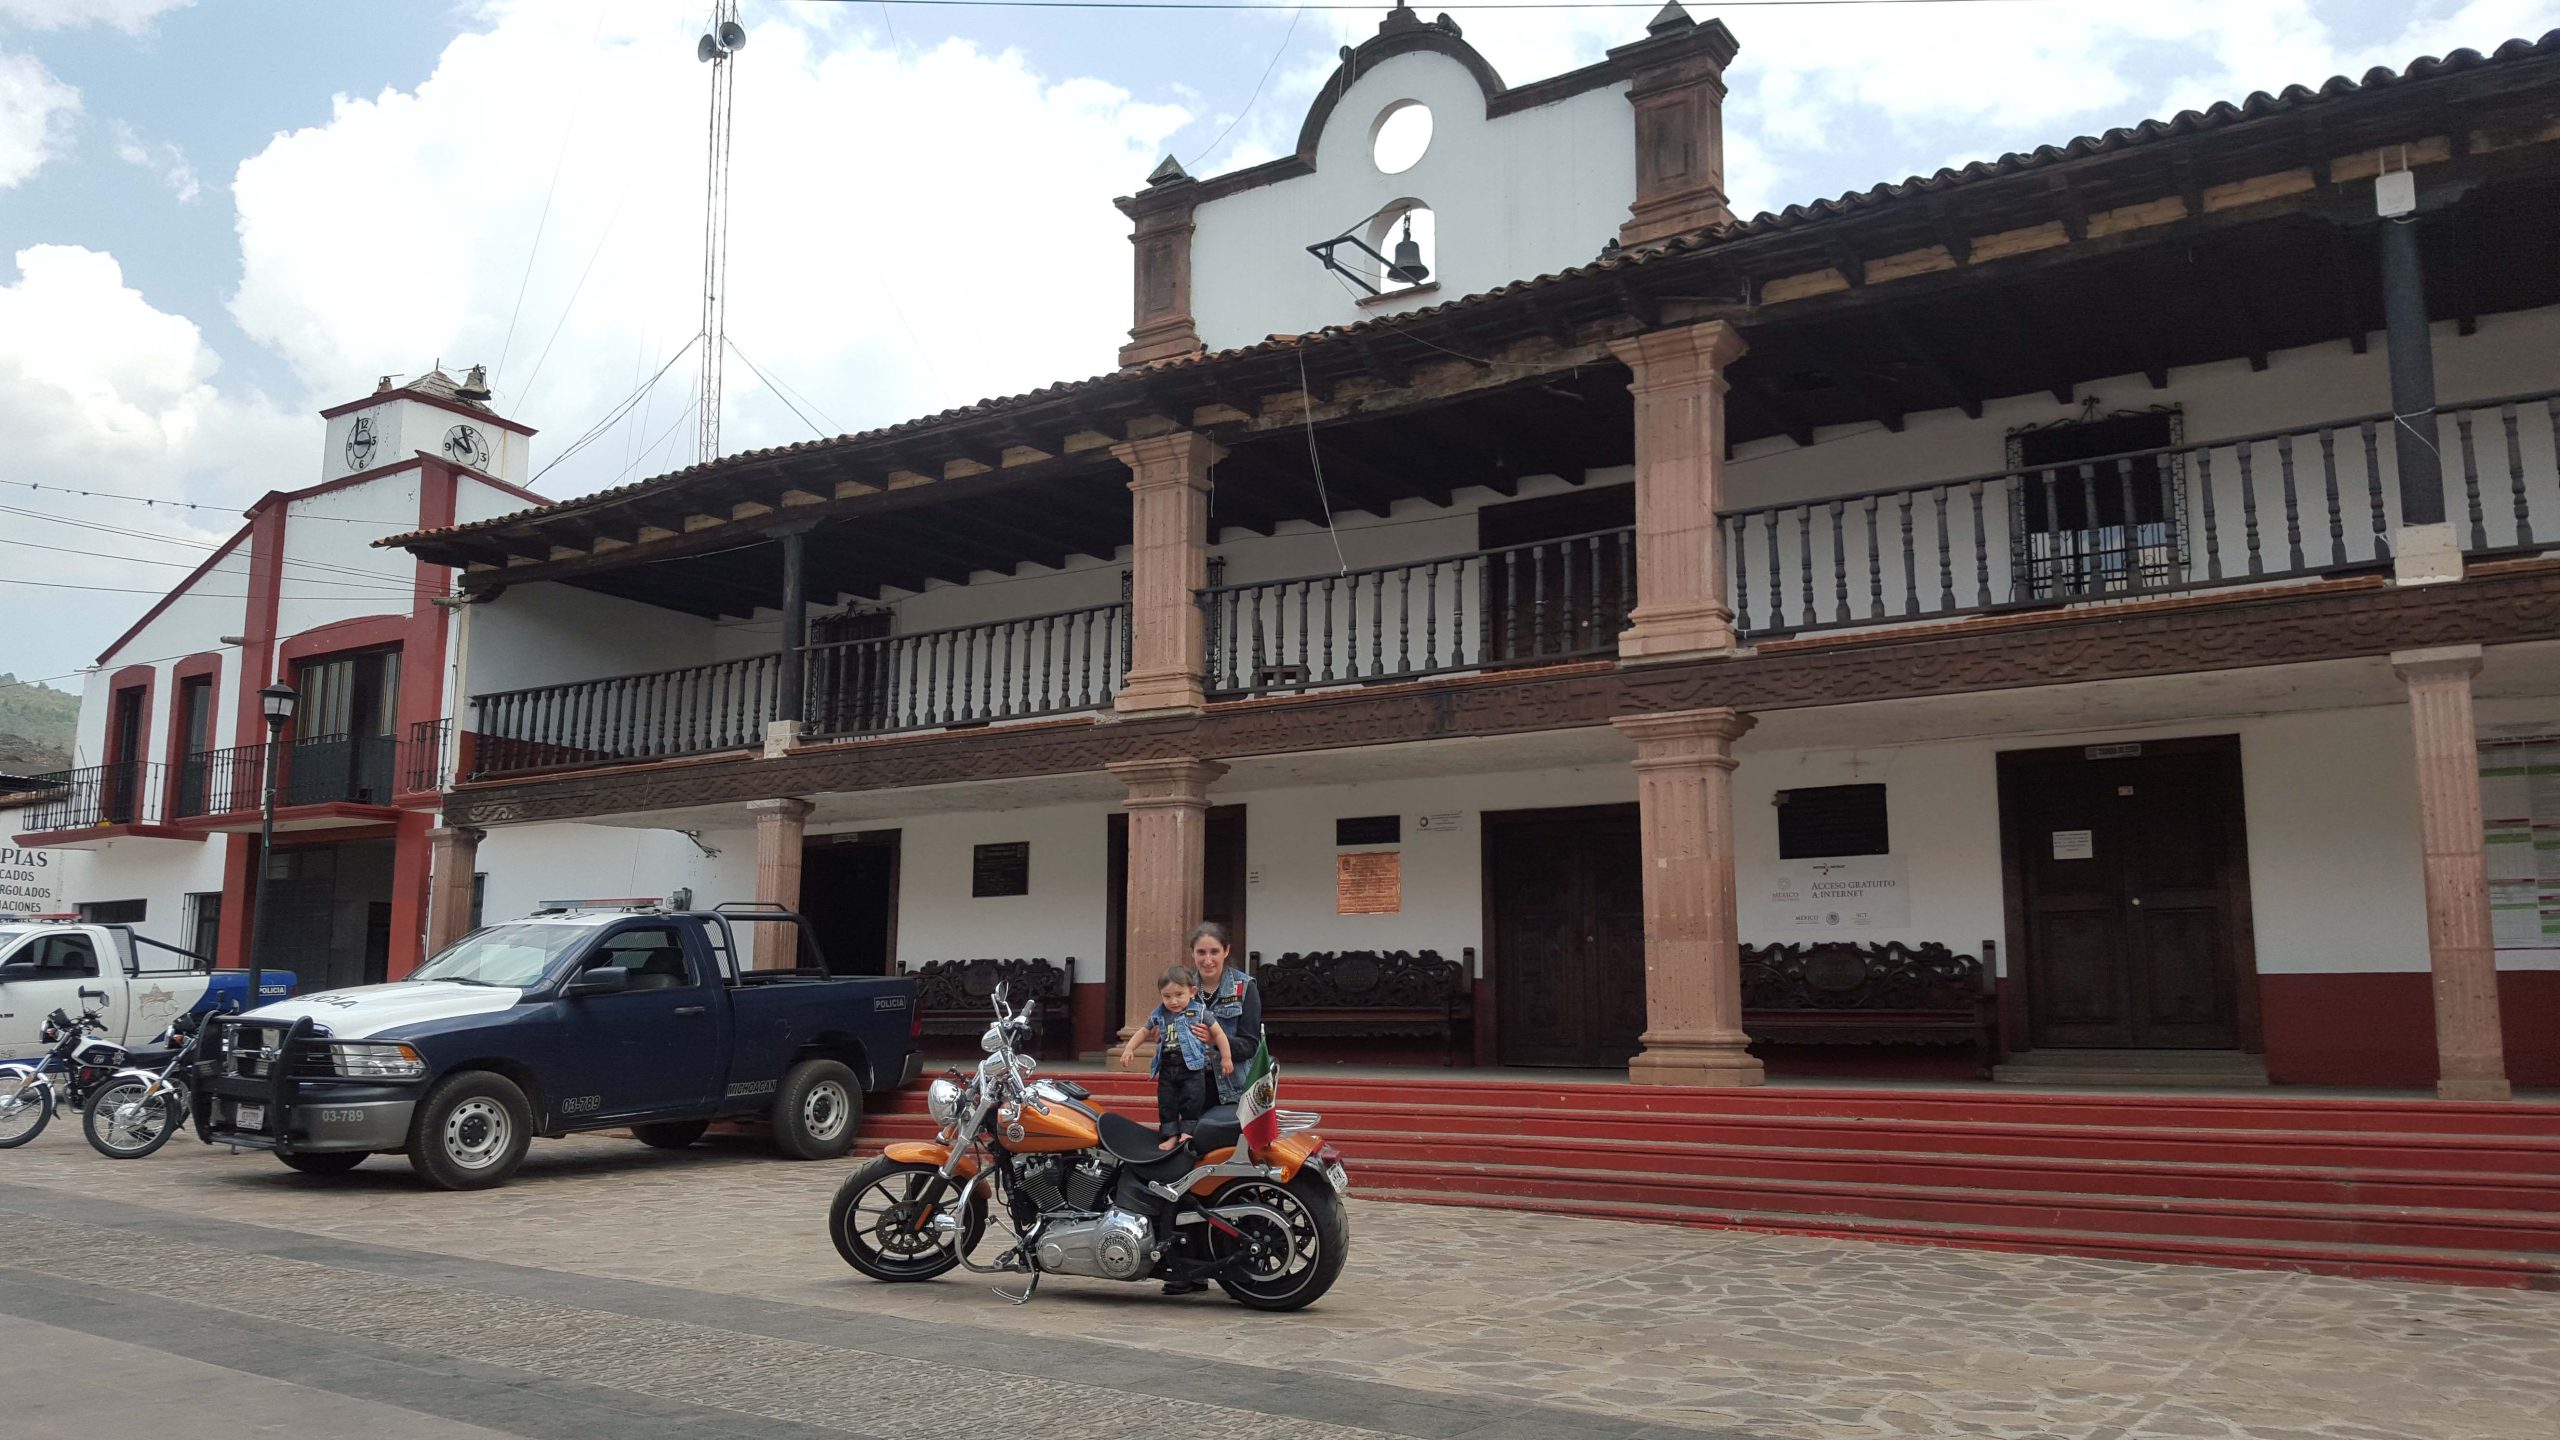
662	971
1131	1143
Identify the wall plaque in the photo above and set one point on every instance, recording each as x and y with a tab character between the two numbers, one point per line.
1369	882
1003	869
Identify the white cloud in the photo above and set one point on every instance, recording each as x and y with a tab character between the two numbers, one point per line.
101	391
130	16
36	114
907	231
166	161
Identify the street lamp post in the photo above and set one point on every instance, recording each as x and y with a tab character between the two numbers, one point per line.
276	703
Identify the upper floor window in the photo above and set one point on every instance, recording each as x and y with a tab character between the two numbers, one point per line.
1399	137
2089	514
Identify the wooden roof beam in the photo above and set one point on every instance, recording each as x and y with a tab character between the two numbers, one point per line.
1782	416
1948	374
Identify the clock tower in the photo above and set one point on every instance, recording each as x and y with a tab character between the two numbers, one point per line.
433	414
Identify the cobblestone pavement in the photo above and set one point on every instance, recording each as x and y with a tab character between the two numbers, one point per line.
616	1290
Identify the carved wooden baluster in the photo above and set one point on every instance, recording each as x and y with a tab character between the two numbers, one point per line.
1306	634
1839	562
2471	481
1981	552
2051	586
1946	565
1910	562
2132	524
1804	564
1458	635
1777	590
2329	491
1568	619
2292	511
1404	620
2212	533
2515	466
1539	610
1875	563
2092	576
1378	621
2249	505
1327	672
1431	615
1741	531
2373	486
1258	593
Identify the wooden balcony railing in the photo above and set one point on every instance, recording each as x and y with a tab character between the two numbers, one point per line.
690	710
968	674
1538	603
129	792
2284	504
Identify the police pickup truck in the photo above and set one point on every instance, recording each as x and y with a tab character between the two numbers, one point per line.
582	1016
60	962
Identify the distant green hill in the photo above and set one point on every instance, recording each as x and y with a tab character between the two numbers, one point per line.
36	726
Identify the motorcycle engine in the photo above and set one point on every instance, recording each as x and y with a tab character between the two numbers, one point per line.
1118	1246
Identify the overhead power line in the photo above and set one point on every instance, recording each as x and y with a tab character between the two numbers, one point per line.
1372	7
157	503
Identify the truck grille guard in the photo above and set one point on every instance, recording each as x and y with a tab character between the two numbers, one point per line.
254	1062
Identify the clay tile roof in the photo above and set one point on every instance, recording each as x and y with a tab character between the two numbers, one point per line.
2219	116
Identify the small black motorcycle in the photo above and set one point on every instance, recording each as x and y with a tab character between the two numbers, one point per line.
81	1061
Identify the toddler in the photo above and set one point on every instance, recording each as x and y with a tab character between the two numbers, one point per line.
1183	1086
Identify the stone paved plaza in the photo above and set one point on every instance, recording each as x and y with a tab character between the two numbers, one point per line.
615	1291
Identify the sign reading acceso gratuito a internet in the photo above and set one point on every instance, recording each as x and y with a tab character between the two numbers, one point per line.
1854	892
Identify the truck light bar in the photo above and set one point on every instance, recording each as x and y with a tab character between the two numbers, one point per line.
614	902
61	915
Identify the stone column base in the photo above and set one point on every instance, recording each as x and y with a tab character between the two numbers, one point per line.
1695	1060
1657	633
1149	690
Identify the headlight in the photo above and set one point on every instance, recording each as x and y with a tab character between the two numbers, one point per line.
359	1061
942	1100
993	1040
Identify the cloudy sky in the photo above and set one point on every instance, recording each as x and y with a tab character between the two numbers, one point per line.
217	216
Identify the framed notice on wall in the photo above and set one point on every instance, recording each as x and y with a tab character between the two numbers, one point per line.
998	870
1368	882
2520	812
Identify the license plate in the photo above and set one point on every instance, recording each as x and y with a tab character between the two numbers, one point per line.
253	1117
1341	1178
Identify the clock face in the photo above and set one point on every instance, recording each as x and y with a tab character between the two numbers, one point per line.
360	443
465	445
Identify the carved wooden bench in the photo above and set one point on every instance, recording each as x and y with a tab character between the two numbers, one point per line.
1368	992
953	997
1838	992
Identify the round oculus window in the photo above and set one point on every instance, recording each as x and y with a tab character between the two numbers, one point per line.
1400	136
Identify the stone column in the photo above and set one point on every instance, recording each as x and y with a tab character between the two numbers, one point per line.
1679	387
1168	563
781	826
1692	951
1168	808
2470	1053
453	855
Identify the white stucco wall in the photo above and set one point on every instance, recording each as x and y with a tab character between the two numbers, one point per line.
546	634
1065	915
209	608
1527	194
528	864
160	872
332	571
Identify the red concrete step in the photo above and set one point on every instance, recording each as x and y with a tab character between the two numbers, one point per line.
2491	1155
2458	1267
2182	1217
2273	1183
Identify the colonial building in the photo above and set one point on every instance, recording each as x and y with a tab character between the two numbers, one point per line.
158	826
2122	563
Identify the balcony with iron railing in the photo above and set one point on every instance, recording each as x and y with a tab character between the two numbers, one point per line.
325	779
74	809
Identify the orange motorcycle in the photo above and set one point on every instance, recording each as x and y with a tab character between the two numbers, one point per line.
1254	1202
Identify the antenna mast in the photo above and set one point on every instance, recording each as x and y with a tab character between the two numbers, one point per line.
719	49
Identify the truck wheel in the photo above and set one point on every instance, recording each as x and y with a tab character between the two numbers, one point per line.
470	1132
671	1135
817	1110
324	1162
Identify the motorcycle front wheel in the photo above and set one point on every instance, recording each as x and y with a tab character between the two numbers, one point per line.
1303	1251
25	1109
882	1219
125	1121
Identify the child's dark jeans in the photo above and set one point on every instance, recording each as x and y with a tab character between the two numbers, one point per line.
1182	1096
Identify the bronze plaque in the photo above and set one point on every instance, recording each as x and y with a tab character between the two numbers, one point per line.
1370	882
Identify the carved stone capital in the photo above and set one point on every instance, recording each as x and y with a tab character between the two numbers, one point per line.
2440	662
1180	458
1687	357
783	807
1159	783
1685	737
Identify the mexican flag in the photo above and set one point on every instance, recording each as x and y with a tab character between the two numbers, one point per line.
1259	1107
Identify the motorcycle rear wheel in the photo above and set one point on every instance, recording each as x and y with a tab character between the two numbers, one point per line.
1318	1242
121	1136
24	1111
879	1218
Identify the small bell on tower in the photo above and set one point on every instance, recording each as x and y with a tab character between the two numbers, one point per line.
1408	266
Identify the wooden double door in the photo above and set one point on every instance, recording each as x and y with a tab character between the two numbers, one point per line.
1565	901
2128	879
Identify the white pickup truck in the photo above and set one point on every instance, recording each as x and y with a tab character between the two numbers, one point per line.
50	964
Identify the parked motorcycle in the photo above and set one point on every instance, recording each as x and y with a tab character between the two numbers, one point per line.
1084	1191
79	1062
137	1109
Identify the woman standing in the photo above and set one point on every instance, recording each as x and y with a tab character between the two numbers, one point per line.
1235	1006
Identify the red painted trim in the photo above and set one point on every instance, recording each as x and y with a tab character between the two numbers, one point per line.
381	397
207	663
411	874
144	678
2341	1029
239	882
258	627
341	637
176	593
